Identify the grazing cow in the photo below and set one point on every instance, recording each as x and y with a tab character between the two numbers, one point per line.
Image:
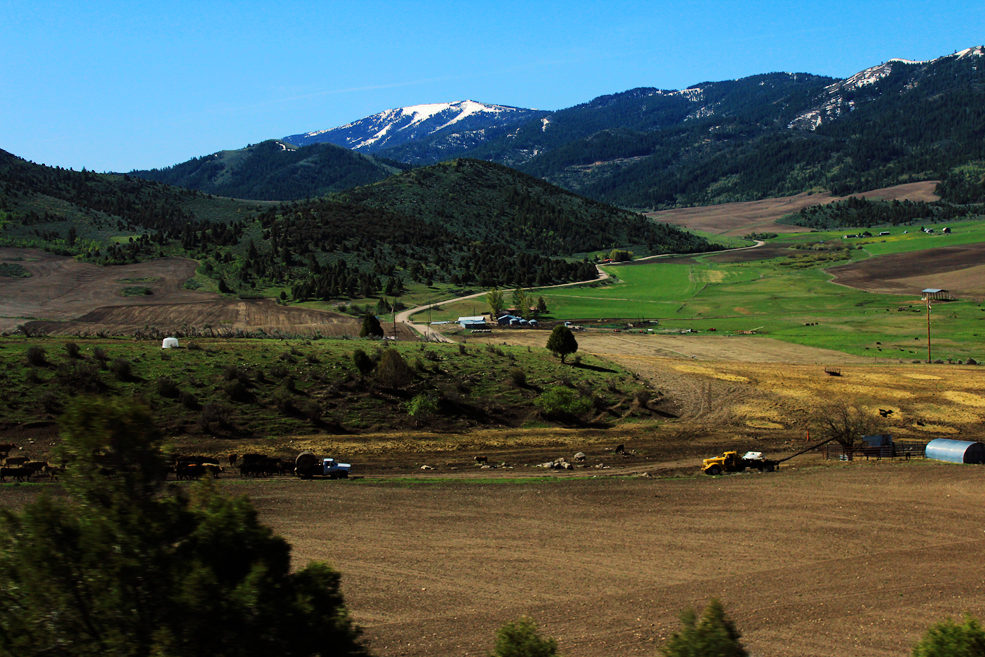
19	473
481	459
232	460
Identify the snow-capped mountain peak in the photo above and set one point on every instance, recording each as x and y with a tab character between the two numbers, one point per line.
404	124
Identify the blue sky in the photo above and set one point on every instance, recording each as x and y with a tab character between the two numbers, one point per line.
114	86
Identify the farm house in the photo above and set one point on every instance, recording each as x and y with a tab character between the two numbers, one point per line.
169	343
955	451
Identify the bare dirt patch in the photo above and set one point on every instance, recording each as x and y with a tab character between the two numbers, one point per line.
761	216
66	297
955	268
849	559
61	288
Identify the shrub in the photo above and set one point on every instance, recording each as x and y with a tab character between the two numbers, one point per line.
278	372
562	403
362	362
518	377
100	355
166	387
73	350
521	639
122	369
215	416
393	371
189	400
50	403
80	377
950	639
238	391
422	406
37	356
713	634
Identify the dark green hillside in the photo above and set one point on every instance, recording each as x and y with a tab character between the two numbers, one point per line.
498	206
107	218
464	223
274	171
241	389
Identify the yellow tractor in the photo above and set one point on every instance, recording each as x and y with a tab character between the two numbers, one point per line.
732	462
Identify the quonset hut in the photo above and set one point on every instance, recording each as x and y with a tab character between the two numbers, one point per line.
955	451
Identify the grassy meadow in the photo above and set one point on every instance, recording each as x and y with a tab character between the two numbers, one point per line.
790	297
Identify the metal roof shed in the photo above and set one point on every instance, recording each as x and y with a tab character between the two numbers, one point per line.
955	451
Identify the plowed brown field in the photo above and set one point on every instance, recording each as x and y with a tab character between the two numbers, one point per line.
761	216
67	297
955	268
852	559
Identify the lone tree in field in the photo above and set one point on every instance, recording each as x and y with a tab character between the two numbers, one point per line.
844	423
713	635
562	342
123	566
371	327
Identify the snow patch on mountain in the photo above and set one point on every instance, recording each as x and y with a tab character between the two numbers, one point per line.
404	124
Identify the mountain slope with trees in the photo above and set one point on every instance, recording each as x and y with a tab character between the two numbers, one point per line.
275	171
764	135
459	224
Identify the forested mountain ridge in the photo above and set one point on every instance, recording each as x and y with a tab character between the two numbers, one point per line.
274	171
755	137
461	223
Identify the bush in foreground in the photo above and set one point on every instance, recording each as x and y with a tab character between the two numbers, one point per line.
713	635
121	567
521	639
950	639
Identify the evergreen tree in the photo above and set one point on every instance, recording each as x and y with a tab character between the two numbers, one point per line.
122	567
371	327
714	635
562	342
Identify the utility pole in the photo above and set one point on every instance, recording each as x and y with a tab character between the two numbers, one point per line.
928	329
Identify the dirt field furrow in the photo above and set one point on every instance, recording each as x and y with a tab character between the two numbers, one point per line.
848	559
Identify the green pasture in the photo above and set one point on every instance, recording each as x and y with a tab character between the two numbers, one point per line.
789	298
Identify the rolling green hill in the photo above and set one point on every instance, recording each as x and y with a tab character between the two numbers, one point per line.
455	224
275	171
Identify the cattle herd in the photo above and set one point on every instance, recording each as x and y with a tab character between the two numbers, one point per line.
25	469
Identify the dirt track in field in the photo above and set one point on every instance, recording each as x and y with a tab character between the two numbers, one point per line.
67	297
760	216
955	268
851	559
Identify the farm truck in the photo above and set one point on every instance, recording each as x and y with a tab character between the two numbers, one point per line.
309	466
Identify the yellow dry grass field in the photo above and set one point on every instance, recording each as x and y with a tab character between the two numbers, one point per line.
747	384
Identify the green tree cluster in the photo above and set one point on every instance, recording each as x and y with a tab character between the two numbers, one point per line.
121	566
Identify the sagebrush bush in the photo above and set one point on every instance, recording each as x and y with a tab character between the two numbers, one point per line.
122	369
166	387
37	356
